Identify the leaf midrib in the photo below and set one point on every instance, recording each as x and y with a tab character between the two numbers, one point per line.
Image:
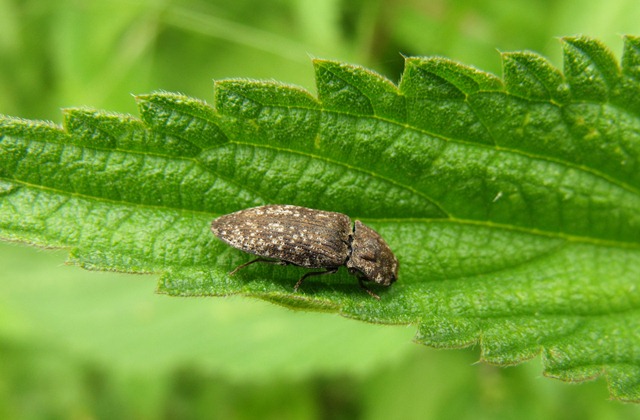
486	224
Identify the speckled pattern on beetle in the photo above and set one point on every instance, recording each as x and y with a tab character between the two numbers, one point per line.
286	234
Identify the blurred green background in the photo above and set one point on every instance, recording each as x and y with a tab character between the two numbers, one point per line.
79	344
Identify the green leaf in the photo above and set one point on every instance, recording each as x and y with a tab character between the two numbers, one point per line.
512	204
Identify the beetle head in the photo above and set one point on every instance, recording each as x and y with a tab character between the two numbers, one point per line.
371	256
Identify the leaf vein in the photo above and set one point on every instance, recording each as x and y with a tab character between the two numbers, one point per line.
347	166
498	148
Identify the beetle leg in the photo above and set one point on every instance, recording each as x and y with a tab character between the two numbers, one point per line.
363	287
315	273
259	259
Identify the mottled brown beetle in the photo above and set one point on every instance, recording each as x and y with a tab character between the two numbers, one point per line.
285	234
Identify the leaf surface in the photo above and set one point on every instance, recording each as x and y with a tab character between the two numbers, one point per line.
512	203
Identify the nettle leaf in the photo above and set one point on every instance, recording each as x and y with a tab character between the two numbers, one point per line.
512	204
